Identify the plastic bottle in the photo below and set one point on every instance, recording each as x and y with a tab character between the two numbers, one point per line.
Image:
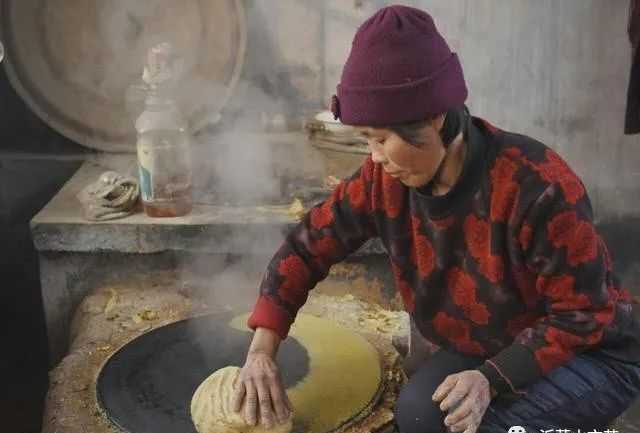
163	144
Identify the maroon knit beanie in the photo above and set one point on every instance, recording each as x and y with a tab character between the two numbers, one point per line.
400	70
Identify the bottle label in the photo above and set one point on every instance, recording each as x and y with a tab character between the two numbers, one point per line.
145	169
146	187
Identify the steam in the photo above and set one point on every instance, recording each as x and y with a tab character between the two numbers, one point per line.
244	165
244	155
249	158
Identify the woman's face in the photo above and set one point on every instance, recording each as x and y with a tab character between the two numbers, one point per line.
413	165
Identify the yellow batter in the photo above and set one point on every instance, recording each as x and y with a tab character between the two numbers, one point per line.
345	375
344	382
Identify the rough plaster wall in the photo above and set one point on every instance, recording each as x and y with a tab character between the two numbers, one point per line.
555	70
547	71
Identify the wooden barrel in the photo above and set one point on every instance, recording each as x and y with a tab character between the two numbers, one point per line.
77	63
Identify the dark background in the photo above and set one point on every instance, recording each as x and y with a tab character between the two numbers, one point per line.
35	162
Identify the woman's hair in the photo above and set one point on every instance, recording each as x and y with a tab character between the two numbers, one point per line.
412	132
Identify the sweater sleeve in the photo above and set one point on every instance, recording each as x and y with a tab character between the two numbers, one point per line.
327	234
569	267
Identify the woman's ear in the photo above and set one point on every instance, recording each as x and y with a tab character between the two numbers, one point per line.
438	122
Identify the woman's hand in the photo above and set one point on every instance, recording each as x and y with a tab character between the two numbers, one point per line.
259	385
470	394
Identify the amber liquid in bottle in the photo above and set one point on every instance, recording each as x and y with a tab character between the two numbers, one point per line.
166	173
175	210
178	206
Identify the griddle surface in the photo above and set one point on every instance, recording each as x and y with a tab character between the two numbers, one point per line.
146	386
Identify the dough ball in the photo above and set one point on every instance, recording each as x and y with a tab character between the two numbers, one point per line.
212	407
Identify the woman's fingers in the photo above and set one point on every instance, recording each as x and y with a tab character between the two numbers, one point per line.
251	404
262	391
266	406
443	389
466	402
461	412
238	395
455	396
288	402
466	425
279	399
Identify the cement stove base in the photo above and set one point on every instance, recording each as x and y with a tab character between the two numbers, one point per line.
111	316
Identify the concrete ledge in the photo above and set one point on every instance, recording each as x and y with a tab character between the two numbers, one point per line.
230	231
61	227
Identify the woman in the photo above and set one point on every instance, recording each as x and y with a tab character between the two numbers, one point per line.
491	243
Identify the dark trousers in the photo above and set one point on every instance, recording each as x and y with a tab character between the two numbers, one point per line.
587	393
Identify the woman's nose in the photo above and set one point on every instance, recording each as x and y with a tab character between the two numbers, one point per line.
377	154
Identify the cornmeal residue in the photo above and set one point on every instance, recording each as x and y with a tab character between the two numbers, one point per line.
345	374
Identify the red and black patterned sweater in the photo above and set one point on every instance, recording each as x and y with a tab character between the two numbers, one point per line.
507	265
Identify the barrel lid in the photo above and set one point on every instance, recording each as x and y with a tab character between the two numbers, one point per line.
78	63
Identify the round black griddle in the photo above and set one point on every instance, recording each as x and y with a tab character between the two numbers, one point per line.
147	385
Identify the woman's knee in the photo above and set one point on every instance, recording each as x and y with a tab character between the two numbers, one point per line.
415	410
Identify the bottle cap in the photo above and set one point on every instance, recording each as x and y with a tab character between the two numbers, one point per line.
162	65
